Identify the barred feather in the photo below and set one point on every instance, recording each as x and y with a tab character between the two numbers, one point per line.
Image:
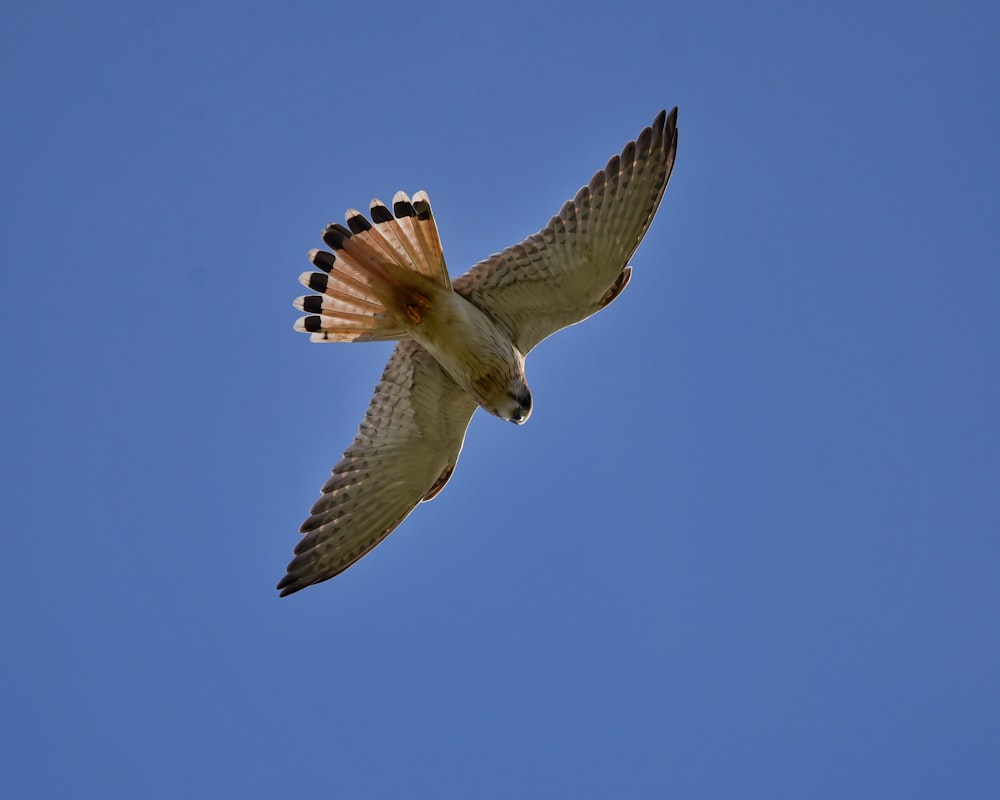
358	277
411	436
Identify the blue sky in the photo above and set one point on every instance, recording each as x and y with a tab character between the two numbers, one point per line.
746	546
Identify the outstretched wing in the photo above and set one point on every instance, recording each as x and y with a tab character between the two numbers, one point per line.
404	452
578	263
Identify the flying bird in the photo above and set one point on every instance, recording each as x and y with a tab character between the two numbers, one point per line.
462	343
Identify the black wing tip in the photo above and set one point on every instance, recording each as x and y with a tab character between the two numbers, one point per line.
289	585
665	120
296	578
628	154
667	123
670	139
600	177
301	575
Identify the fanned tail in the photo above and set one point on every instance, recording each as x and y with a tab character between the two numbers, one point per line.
367	270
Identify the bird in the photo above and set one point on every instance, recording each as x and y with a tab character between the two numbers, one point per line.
461	344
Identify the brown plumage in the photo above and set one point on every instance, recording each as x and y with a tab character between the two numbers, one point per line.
462	342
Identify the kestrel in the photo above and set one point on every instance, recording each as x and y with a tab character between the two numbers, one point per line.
462	343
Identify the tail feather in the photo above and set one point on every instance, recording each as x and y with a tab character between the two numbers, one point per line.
390	237
358	258
344	308
362	273
382	238
339	274
339	287
346	328
375	241
332	306
403	214
419	230
429	237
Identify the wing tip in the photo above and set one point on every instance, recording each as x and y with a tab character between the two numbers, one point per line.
665	120
289	585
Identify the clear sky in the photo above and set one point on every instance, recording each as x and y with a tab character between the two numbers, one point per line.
748	544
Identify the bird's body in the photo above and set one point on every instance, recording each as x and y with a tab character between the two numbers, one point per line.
474	351
462	343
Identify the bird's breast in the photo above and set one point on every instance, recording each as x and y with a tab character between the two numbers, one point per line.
473	349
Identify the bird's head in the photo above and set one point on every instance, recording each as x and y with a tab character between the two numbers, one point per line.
514	404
